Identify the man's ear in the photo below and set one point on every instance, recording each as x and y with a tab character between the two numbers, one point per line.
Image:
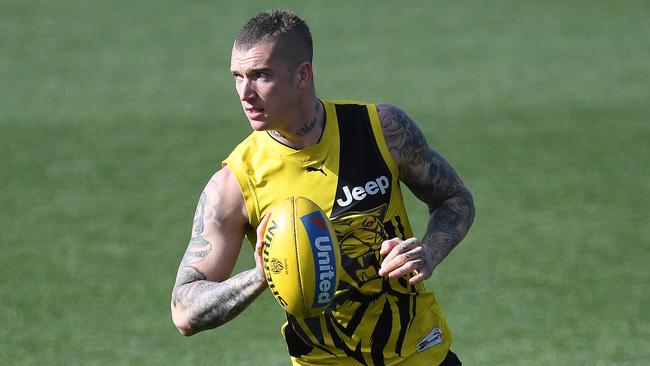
305	74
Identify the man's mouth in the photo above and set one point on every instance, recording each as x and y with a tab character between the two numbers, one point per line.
254	112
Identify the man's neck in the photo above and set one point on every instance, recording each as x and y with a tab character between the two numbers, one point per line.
308	129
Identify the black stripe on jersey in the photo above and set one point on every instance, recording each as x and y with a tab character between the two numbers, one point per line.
296	346
315	328
361	166
298	341
380	335
340	344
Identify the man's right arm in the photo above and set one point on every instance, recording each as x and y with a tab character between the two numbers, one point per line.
204	295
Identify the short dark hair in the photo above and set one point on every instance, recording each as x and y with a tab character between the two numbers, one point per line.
283	26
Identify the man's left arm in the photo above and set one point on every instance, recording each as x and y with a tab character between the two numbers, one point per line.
432	179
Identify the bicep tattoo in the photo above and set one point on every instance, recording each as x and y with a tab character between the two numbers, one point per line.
199	247
423	170
197	250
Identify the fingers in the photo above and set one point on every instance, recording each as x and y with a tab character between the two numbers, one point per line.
259	244
388	245
260	232
419	277
393	249
404	257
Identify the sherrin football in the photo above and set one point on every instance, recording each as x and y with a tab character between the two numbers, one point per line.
301	257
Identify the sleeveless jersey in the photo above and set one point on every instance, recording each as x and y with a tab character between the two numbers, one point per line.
351	175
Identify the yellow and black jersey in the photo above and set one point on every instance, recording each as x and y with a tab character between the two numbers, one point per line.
351	175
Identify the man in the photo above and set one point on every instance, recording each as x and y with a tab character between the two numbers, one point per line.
349	158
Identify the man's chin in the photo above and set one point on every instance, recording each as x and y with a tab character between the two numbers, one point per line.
258	125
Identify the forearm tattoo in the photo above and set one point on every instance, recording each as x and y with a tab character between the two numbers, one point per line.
448	224
430	177
210	304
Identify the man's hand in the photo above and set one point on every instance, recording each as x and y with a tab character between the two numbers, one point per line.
405	256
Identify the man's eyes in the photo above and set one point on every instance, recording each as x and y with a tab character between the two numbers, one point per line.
253	76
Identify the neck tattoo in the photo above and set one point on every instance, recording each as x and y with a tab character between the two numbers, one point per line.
306	128
310	125
276	134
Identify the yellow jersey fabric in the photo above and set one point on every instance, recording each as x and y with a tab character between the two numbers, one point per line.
351	175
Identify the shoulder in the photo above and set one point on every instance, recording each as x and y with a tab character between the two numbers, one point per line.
403	136
223	180
224	190
394	118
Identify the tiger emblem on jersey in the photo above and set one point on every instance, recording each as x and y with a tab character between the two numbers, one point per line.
360	236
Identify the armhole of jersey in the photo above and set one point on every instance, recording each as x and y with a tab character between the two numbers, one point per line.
381	140
248	191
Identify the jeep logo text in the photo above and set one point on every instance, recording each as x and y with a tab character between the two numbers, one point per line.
358	193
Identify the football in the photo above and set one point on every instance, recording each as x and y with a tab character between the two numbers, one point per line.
301	257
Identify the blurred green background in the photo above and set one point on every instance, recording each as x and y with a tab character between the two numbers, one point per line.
114	114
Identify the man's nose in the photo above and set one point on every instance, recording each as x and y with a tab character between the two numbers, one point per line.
246	90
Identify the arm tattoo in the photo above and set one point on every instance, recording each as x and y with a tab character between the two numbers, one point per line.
448	225
431	178
210	304
198	248
423	170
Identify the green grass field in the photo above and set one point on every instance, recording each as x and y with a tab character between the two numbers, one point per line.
114	114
